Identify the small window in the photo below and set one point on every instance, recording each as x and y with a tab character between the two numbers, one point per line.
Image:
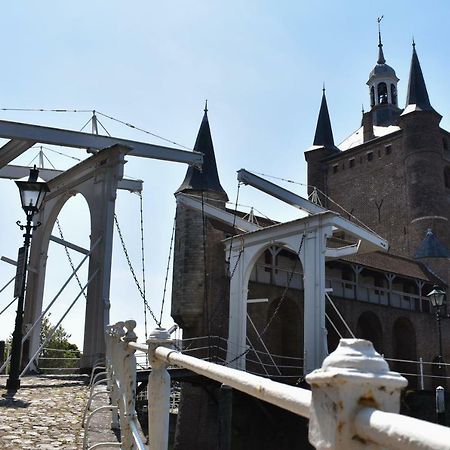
370	156
335	168
372	96
445	143
351	162
447	177
388	149
393	94
382	93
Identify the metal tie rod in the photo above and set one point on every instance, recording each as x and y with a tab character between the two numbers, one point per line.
50	335
53	301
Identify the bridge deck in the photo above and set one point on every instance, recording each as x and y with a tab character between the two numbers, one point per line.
46	413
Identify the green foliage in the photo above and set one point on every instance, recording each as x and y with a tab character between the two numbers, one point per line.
58	349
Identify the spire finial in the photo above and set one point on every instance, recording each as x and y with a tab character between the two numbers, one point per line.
362	109
206	106
323	87
381	59
413	42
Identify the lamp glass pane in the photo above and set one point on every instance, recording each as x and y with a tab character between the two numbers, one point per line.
29	198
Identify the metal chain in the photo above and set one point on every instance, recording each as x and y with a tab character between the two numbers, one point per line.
70	259
168	267
125	251
288	284
141	212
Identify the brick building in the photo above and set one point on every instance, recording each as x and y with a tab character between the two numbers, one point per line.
393	175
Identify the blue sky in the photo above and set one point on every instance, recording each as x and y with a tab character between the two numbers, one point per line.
260	64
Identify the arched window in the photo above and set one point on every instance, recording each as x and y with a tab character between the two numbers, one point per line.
372	96
382	93
393	94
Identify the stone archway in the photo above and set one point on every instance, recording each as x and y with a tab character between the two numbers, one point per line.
404	338
96	179
284	334
369	327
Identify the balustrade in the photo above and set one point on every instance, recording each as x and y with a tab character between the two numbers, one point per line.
353	403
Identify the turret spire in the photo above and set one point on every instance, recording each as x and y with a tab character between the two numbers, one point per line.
417	90
381	59
324	133
206	179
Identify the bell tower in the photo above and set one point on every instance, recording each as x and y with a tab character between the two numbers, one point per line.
383	90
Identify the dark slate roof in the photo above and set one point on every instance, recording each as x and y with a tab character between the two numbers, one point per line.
381	59
388	262
208	178
324	133
417	90
431	247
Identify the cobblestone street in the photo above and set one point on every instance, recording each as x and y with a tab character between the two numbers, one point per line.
46	413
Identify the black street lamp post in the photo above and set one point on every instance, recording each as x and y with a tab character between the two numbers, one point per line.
32	194
436	297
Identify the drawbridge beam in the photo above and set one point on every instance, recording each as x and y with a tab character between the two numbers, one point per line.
23	132
12	172
12	149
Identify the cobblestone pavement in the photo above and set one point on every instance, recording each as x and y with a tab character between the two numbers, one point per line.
46	413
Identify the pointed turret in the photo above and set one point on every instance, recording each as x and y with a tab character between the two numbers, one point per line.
431	247
417	98
324	134
381	59
206	179
323	148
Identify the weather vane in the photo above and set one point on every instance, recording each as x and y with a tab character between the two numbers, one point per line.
379	19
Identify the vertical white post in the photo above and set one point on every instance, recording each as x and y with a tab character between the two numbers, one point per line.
315	339
128	385
351	377
158	392
109	337
421	380
237	325
440	405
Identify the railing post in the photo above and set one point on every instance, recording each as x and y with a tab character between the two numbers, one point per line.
421	380
352	377
116	332
128	385
440	405
158	392
111	384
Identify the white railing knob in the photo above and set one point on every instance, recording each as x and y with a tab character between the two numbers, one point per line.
159	334
130	335
352	377
119	332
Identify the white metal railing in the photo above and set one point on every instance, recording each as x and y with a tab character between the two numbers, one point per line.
353	402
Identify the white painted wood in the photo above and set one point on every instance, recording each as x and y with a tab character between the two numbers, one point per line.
13	172
78	139
216	213
12	149
158	393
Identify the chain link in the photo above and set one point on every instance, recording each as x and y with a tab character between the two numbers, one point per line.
70	259
125	251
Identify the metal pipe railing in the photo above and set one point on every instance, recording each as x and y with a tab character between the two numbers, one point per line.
351	381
